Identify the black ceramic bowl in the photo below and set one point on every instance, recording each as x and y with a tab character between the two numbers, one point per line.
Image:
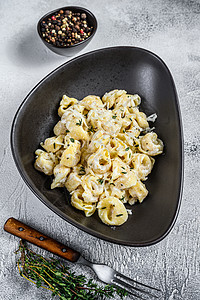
137	71
75	48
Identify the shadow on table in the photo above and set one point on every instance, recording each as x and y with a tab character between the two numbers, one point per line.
30	51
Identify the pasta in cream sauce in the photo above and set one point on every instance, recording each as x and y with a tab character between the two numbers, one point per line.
102	151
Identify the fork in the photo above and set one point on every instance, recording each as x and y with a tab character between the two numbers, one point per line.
103	272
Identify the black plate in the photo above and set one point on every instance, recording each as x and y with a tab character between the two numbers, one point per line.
137	71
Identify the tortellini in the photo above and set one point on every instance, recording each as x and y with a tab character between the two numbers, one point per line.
100	161
111	97
138	192
150	144
101	152
142	164
112	211
53	144
129	101
65	103
45	162
91	102
71	155
60	174
78	202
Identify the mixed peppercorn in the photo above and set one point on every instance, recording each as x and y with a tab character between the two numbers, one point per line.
66	28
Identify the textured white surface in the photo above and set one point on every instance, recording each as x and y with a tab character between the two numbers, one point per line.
171	29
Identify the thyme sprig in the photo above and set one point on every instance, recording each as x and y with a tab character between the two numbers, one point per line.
52	275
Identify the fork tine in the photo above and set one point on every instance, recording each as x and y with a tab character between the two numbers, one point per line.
125	286
135	286
137	282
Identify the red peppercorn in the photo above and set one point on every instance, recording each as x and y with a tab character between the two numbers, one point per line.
81	31
53	18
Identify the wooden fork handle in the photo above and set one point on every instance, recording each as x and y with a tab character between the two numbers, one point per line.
37	238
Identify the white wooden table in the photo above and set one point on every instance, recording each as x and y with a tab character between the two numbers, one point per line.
171	29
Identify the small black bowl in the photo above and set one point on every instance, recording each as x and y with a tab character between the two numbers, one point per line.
75	48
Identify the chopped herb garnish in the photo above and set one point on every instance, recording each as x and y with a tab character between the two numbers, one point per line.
123	130
122	198
119	215
124	172
123	168
91	129
103	207
79	122
72	140
112	183
129	155
82	171
100	180
54	145
67	131
130	119
127	149
114	117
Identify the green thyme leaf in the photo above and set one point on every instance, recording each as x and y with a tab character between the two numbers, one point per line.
72	140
